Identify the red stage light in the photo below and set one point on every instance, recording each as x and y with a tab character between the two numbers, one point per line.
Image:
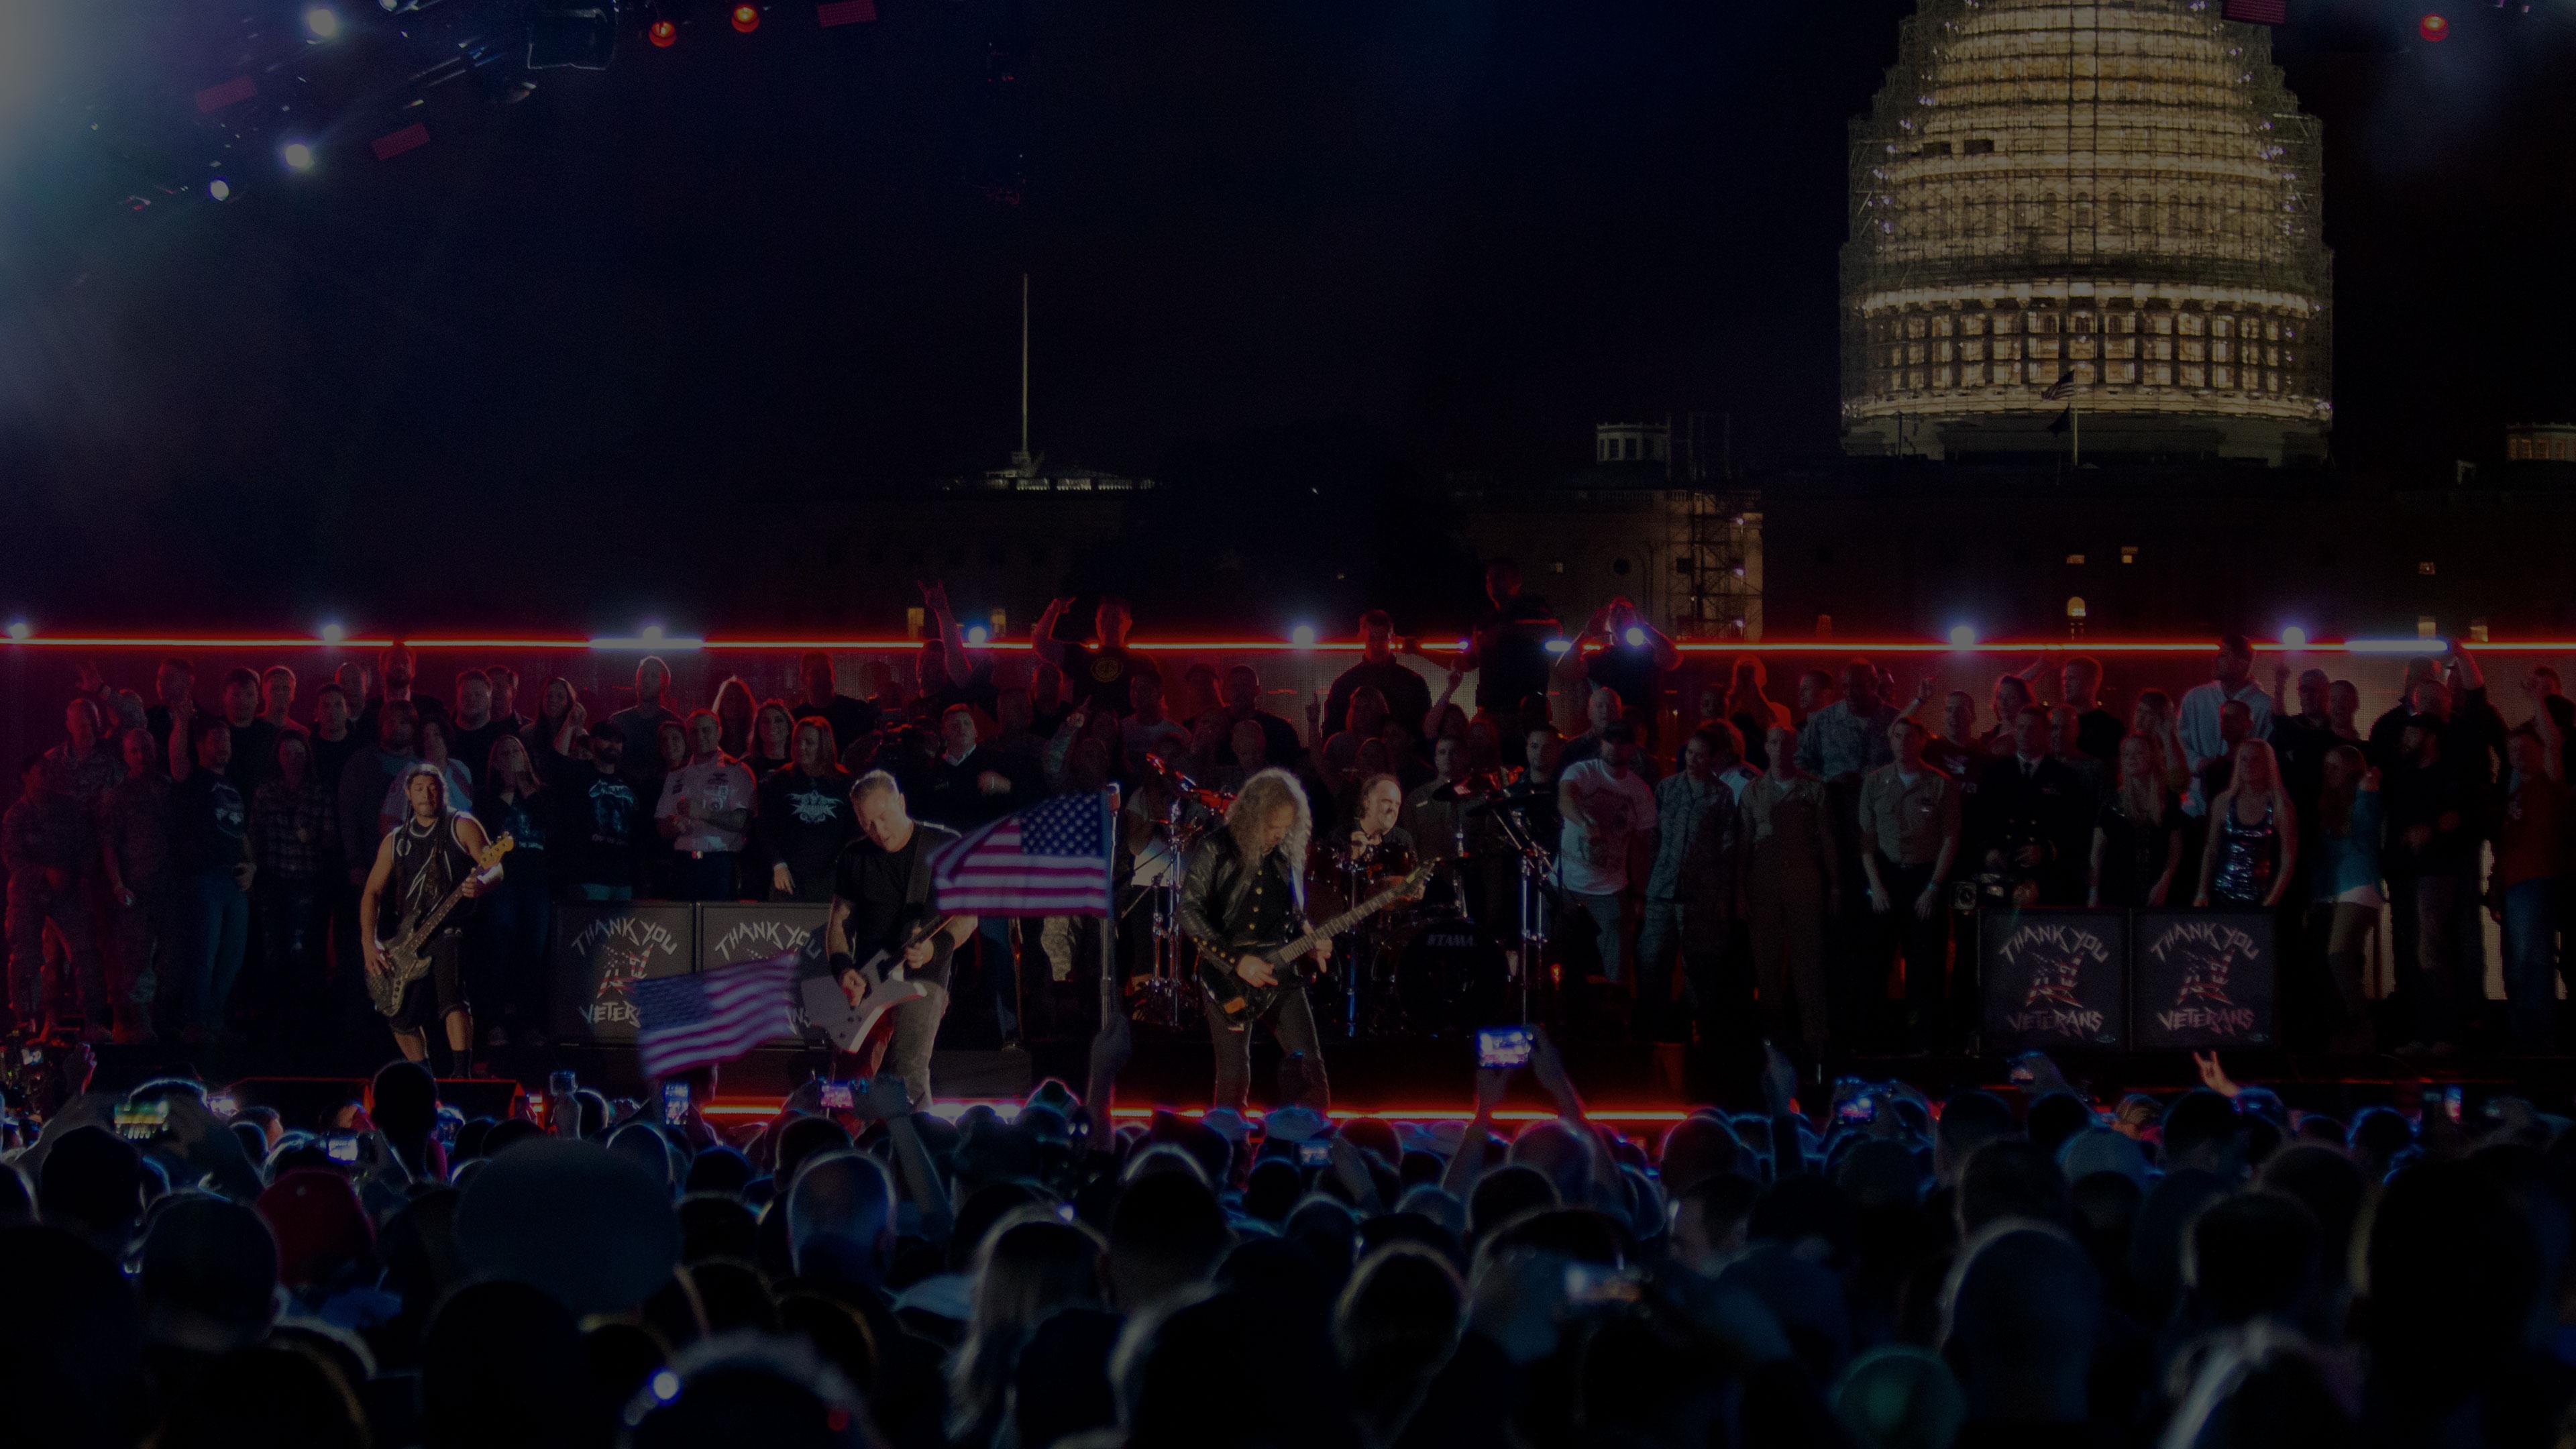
662	32
2434	27
746	18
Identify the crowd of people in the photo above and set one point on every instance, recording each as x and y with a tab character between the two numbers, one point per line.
1724	864
1867	1269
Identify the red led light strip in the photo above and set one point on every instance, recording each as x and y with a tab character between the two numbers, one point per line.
640	645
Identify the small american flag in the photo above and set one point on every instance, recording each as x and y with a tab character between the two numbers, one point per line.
686	1022
2062	389
1052	859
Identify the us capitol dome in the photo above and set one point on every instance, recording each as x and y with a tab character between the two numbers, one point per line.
2124	191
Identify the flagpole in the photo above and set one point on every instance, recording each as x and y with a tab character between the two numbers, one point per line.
2075	407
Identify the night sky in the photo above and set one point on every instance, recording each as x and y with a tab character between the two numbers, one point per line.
599	347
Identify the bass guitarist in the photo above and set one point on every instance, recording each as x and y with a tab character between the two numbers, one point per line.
420	861
1246	884
880	902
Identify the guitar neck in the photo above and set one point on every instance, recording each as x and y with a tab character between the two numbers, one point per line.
1337	924
437	916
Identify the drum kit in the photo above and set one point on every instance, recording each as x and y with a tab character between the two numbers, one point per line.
1428	968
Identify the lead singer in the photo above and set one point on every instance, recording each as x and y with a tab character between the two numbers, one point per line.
1246	887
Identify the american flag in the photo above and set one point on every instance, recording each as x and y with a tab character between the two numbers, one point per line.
686	1022
2062	389
1052	859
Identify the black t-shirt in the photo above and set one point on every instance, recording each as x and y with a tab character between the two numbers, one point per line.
2302	748
254	755
1408	695
1515	667
472	748
2134	852
1629	671
330	757
804	821
603	828
2421	795
1100	676
2098	733
878	885
208	823
849	718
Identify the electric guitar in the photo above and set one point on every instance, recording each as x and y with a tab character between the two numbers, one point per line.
885	985
1289	960
405	959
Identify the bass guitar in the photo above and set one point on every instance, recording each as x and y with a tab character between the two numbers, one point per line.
406	955
1290	960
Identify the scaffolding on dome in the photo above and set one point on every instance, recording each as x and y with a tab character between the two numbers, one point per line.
2124	191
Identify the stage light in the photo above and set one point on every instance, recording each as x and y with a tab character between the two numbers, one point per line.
746	18
297	155
333	633
1962	636
323	22
978	635
1303	636
662	33
1635	636
2294	637
2434	28
1559	646
220	189
20	629
652	634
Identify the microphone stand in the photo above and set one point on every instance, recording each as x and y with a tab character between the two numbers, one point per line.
1535	863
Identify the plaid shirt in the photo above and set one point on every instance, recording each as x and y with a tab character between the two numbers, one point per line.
294	835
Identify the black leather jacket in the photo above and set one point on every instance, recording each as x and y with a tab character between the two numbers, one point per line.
1215	892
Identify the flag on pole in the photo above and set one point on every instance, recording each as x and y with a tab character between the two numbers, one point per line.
686	1022
1052	859
2062	389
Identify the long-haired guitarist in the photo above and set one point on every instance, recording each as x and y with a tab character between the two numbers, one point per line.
419	862
880	905
1247	883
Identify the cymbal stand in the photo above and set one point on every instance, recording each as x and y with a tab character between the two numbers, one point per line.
1535	865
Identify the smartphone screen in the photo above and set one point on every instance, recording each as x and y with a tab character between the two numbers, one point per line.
141	1121
562	1084
1503	1046
2451	1101
675	1103
223	1104
1314	1154
340	1146
1592	1283
31	1056
1857	1111
838	1096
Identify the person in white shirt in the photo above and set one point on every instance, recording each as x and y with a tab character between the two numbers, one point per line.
705	813
2231	679
1605	806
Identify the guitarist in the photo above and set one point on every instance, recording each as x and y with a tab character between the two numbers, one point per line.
1247	884
419	862
880	900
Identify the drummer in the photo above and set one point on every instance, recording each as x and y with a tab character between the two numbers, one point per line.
1377	845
